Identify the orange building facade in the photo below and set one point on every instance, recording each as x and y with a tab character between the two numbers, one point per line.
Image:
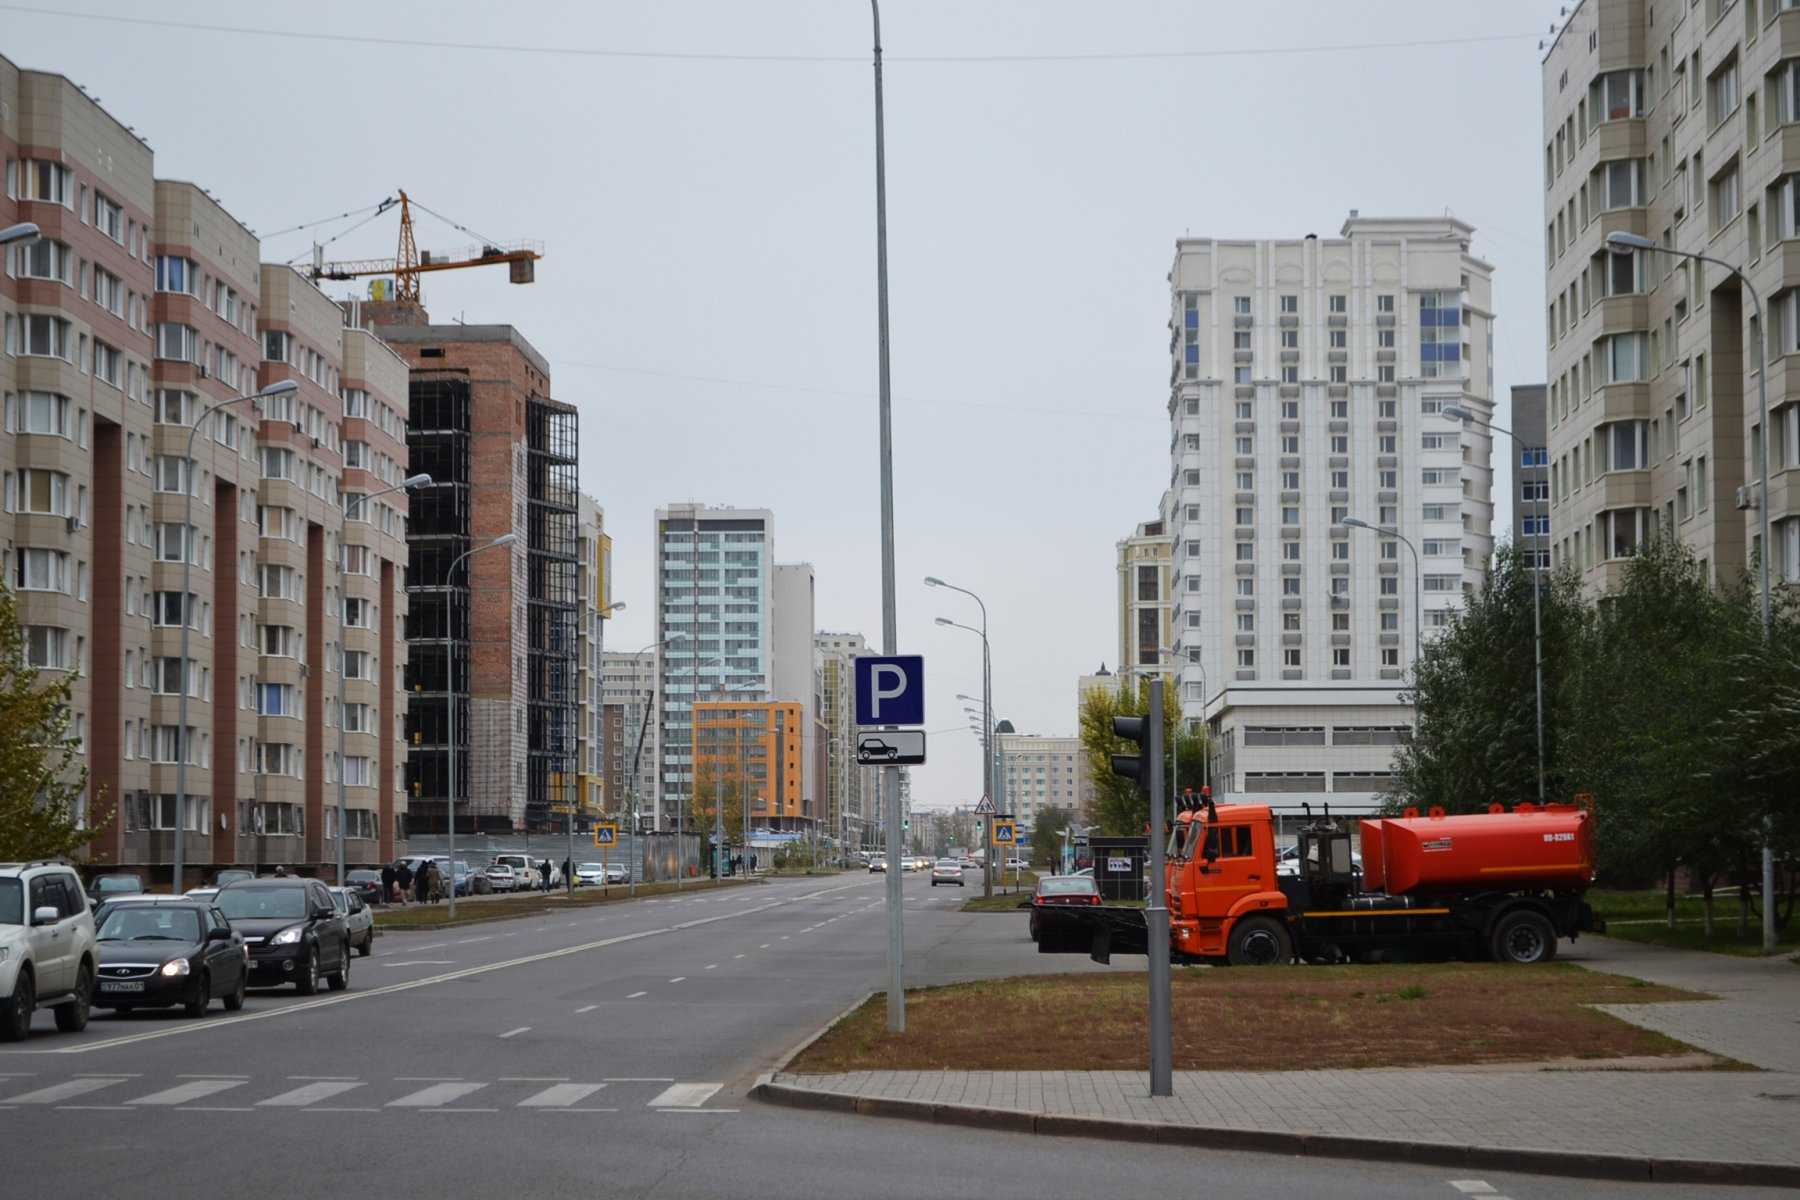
751	749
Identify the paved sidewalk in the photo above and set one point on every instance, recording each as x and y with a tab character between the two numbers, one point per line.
1725	1126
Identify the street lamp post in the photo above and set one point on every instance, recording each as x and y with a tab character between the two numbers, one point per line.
987	707
1418	601
189	547
1620	240
637	758
569	817
1457	412
407	484
505	539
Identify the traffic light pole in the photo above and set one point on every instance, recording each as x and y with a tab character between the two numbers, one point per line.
1156	912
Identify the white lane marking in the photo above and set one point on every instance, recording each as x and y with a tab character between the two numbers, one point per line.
1473	1187
213	1075
459	1110
516	1032
310	1093
712	966
435	1095
427	981
218	1108
784	937
92	1108
427	1078
182	1093
561	1095
640	1079
428	946
58	1092
109	1074
422	962
635	995
576	1110
678	979
697	1112
486	937
685	1095
306	1078
586	1008
330	1109
764	946
534	1079
737	956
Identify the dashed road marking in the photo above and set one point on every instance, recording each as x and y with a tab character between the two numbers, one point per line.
435	1095
678	979
637	995
182	1093
311	1093
58	1092
516	1032
686	1095
586	1008
561	1095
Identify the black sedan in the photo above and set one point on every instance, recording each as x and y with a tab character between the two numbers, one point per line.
293	930
367	884
157	954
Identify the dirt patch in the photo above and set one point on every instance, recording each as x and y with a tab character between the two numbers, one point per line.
1271	1019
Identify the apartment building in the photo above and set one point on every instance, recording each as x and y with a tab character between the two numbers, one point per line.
142	305
714	588
594	587
1306	383
501	452
1038	772
1530	449
849	788
1146	603
628	695
751	761
1671	120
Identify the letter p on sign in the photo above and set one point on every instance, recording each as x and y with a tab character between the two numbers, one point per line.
890	690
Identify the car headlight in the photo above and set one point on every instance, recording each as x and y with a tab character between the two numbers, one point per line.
287	937
173	967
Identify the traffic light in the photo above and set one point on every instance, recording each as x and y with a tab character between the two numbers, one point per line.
1135	730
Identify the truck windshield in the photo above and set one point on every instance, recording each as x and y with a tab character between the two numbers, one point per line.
12	902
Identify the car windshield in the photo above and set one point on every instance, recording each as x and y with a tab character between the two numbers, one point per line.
949	862
118	884
256	903
1065	885
340	901
145	923
364	877
590	867
12	902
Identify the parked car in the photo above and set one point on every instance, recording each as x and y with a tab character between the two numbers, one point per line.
293	930
1053	892
47	954
590	874
503	878
470	882
1017	864
106	906
359	922
367	884
878	864
525	868
120	883
172	951
618	873
231	875
946	870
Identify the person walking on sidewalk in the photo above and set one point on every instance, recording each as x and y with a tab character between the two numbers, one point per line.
403	881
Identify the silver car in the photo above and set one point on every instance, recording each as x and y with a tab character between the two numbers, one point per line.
359	922
946	870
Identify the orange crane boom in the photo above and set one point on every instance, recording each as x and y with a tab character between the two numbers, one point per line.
409	263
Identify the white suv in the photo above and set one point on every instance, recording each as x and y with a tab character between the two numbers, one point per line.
46	947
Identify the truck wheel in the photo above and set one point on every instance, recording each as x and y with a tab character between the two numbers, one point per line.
1259	942
1524	938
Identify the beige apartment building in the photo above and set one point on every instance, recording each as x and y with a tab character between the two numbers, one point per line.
1676	121
141	304
1146	603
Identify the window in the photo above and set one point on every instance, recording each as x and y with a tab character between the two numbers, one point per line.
356	612
40	570
1622	183
45	492
1246	658
1240	374
41	179
277	700
1616	96
1722	92
46	337
1290	657
176	542
44	259
1290	339
1626	357
1240	305
357	664
175	341
1338	304
1290	305
47	648
1725	196
45	413
276	640
1384	303
1623	274
109	218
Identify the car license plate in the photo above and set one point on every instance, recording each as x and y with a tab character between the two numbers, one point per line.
110	985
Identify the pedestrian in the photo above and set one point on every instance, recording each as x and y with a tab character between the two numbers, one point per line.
568	879
387	883
280	872
403	881
545	872
422	882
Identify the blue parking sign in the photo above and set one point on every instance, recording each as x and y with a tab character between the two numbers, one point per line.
890	690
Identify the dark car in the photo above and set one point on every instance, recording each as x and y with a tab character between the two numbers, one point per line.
232	875
367	884
105	887
1054	892
293	930
167	952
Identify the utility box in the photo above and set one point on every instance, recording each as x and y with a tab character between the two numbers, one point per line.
1119	866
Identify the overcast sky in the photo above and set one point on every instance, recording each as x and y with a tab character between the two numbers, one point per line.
707	296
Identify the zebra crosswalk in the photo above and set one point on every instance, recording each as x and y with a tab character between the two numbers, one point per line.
125	1092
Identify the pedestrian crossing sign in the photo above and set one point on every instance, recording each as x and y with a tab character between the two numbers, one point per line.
1005	833
606	834
985	808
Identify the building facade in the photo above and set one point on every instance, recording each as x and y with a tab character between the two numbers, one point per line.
752	761
847	785
1531	473
501	454
594	598
1043	772
1307	380
1146	603
628	698
1671	121
714	614
141	306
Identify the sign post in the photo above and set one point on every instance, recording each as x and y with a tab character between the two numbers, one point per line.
890	693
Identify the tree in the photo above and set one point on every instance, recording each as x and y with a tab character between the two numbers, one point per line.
43	774
1121	807
1476	696
1047	836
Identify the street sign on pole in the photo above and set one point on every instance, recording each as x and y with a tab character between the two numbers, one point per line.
606	834
900	746
985	808
1005	832
890	689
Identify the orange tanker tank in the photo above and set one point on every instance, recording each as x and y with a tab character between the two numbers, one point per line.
1527	849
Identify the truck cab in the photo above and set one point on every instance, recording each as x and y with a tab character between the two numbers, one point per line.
1221	876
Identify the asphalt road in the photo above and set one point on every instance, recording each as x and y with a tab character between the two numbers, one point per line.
608	1050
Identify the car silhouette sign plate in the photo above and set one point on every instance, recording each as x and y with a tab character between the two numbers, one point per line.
904	747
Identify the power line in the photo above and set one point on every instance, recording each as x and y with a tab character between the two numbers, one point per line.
702	56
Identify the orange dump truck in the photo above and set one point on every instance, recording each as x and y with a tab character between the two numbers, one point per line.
1498	885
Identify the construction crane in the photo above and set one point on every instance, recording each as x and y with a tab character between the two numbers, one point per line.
410	262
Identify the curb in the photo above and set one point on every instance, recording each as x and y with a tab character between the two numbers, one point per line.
1312	1145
